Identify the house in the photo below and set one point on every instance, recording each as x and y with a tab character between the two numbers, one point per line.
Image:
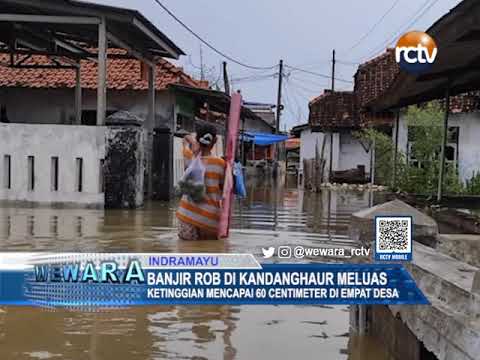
266	113
377	76
462	138
333	120
56	144
252	152
91	112
50	93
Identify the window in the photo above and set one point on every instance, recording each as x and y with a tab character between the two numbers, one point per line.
345	139
451	149
54	173
31	173
79	175
89	117
7	175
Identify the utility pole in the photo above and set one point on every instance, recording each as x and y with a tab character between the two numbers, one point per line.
226	85
330	172
279	113
333	70
279	97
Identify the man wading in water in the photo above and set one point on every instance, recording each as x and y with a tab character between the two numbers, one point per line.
198	220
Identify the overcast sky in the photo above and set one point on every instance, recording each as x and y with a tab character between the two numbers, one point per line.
301	32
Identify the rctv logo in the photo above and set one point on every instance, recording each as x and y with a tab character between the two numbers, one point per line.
415	52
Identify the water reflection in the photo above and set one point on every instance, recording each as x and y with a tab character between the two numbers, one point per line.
271	215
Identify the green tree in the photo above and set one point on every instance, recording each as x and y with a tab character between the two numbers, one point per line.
419	174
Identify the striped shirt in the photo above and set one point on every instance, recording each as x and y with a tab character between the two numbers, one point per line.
206	214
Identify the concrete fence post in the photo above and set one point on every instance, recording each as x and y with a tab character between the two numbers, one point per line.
124	163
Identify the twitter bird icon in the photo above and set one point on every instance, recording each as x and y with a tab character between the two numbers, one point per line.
268	253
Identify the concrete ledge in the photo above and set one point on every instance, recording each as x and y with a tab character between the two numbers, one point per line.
443	334
462	247
362	226
450	327
442	276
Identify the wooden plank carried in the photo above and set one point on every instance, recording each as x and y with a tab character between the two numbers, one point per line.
230	149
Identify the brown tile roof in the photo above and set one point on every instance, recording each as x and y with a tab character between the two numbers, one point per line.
465	103
333	110
374	77
122	74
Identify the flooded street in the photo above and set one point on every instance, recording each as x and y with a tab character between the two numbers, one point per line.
270	216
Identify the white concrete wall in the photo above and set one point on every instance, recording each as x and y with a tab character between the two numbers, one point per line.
308	141
352	153
67	142
344	157
468	141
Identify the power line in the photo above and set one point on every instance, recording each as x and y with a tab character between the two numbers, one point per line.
254	78
422	10
321	85
372	29
348	63
325	62
208	44
305	89
317	74
289	106
252	74
294	94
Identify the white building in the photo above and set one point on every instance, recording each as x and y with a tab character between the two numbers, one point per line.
333	121
463	135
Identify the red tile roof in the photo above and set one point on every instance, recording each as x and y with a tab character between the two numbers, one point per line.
333	110
122	74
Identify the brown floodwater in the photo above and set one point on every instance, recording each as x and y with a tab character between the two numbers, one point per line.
270	216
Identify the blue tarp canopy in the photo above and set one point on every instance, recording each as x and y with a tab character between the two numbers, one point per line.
263	139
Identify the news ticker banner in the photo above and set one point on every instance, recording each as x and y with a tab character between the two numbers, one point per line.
97	281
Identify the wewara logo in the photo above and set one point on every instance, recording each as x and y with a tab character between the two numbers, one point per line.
415	52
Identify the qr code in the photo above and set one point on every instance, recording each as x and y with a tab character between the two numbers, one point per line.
393	234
